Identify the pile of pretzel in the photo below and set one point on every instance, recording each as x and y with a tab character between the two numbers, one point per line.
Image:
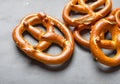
96	16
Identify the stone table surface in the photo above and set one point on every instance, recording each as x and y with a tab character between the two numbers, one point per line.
17	68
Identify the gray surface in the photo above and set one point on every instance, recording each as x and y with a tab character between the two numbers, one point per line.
17	68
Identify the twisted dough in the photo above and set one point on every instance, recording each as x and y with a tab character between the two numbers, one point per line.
110	24
91	15
88	19
44	38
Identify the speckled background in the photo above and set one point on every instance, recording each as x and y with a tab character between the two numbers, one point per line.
17	68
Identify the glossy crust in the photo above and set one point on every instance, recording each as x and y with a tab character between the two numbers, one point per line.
89	11
44	38
91	19
111	24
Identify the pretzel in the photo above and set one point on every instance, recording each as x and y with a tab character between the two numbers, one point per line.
110	24
81	27
91	15
45	39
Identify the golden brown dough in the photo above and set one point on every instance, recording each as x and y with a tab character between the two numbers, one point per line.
45	38
110	24
89	17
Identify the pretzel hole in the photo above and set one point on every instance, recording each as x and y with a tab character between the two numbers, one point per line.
85	34
99	8
76	14
90	1
30	38
108	36
53	49
40	26
108	52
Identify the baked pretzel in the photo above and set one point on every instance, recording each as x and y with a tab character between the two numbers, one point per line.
81	27
109	24
91	11
45	38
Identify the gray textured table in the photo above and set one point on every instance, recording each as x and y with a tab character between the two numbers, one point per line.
17	68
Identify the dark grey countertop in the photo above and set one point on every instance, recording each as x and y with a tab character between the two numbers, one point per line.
17	68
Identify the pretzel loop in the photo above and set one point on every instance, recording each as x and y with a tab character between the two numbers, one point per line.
90	11
78	37
89	19
45	39
111	25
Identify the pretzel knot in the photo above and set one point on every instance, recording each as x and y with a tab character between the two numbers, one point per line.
109	24
91	15
92	11
45	39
